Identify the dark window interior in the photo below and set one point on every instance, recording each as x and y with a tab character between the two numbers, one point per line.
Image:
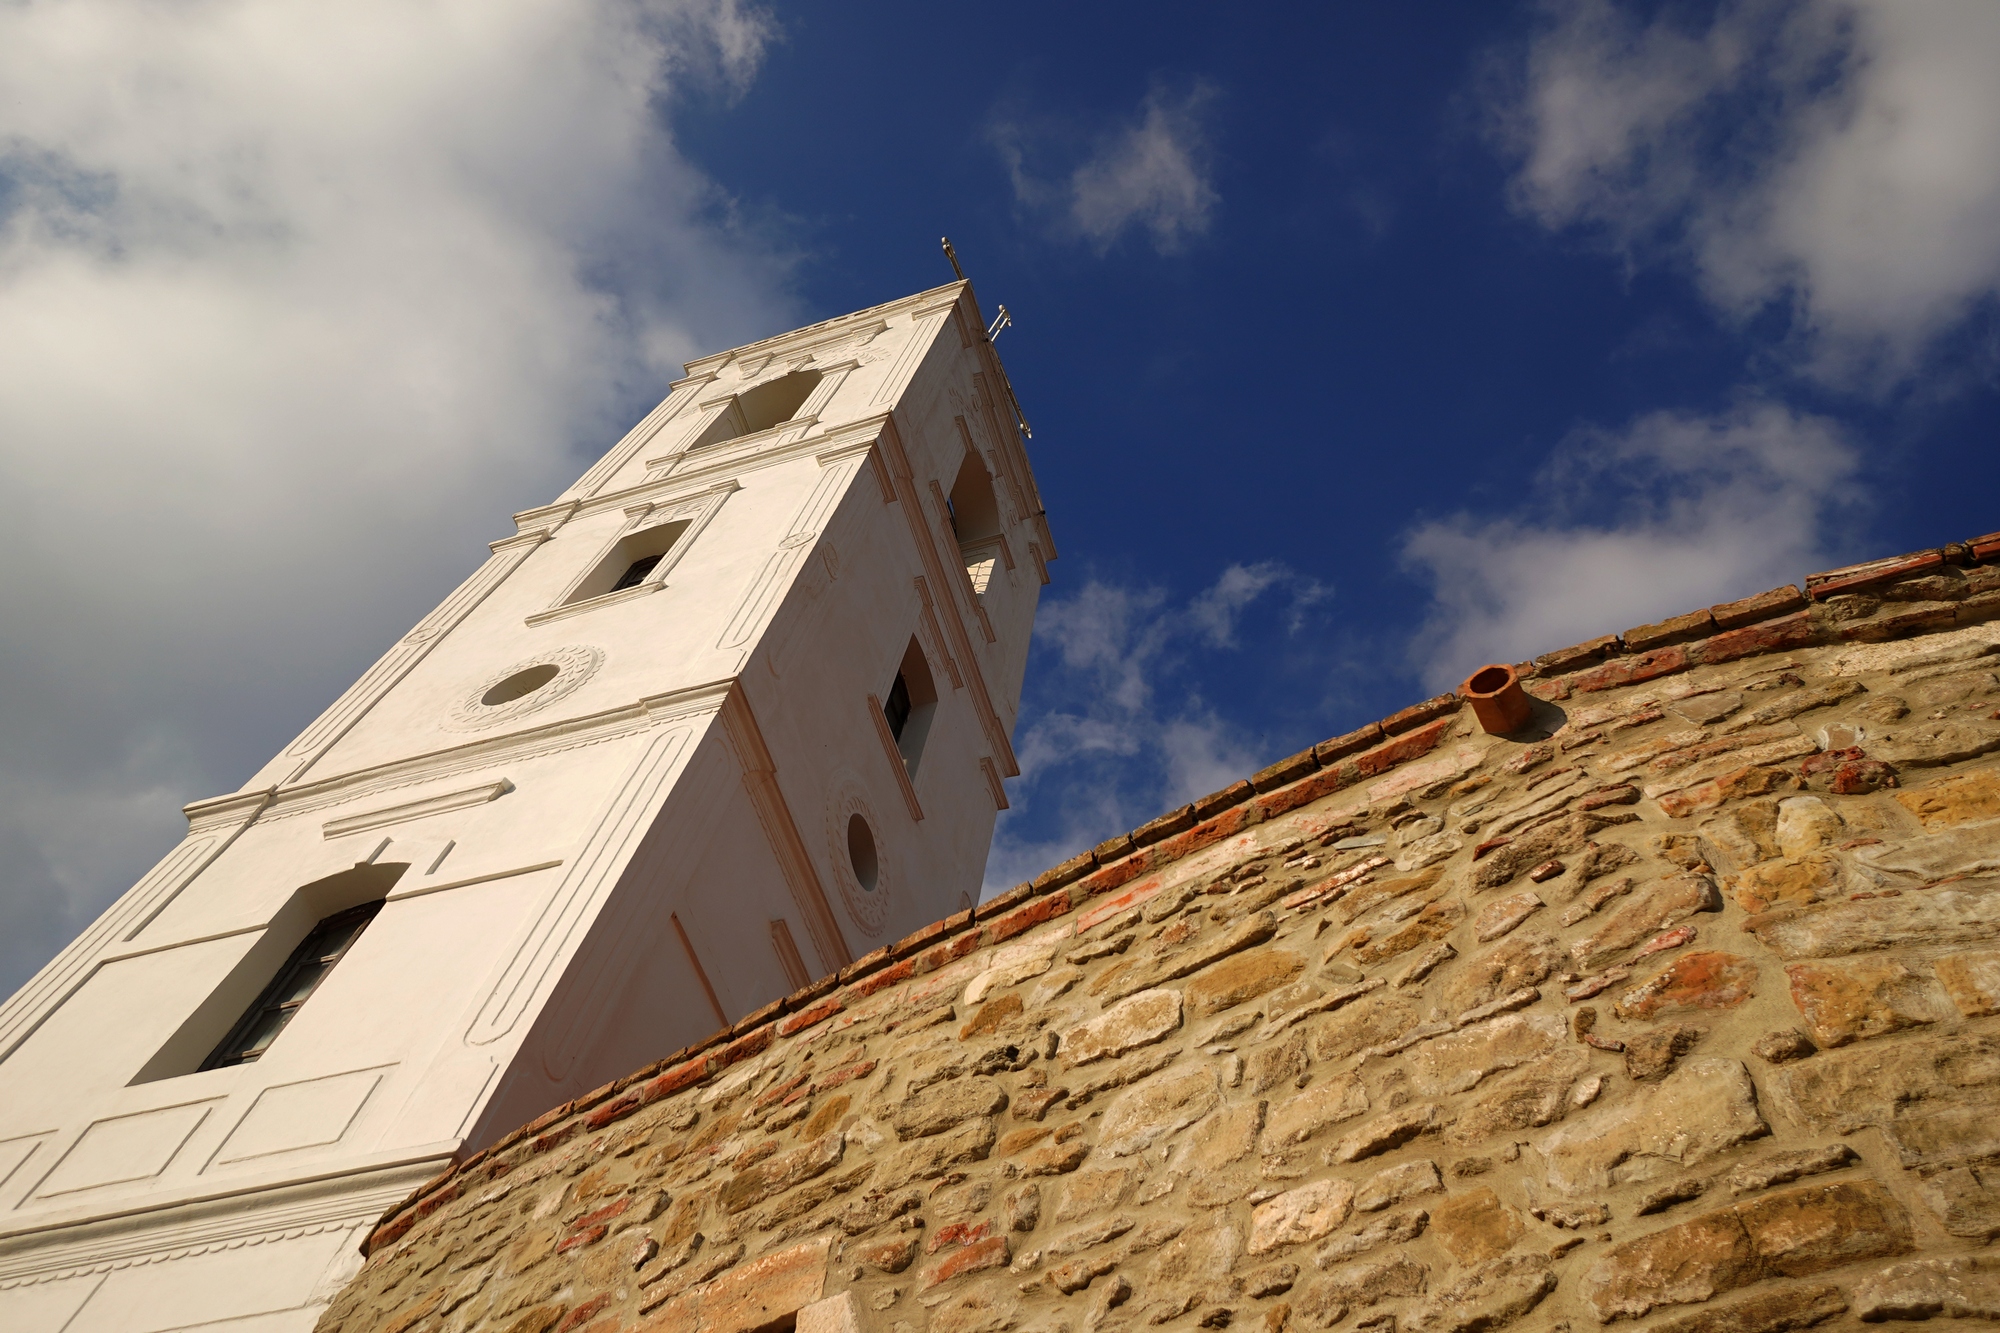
295	983
636	574
897	707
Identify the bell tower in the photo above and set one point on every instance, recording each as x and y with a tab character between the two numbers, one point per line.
732	711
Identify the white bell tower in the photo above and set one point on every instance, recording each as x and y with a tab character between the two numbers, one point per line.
731	712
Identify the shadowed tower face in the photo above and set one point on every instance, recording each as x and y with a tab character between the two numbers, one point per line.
731	712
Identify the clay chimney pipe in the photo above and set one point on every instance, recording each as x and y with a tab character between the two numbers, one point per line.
1497	699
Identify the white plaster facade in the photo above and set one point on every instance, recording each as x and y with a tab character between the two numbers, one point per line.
551	866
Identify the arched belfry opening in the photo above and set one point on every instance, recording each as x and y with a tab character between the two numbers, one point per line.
975	521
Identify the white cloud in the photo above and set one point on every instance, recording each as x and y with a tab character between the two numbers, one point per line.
1836	159
1671	513
297	303
1117	731
1152	173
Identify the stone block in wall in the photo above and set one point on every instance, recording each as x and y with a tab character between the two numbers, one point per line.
1792	1234
1699	1111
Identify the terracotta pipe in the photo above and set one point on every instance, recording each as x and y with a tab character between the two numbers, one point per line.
1497	699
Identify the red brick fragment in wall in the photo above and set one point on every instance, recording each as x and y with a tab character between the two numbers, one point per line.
958	1233
1822	585
1323	783
805	1018
1112	848
1674	629
1764	606
1417	714
616	1109
1603	796
1046	908
435	1200
845	1074
1116	874
1770	636
546	1142
916	940
1003	902
1206	834
582	1314
1577	655
389	1232
1284	771
577	1240
1631	670
874	958
1987	547
597	1094
953	949
806	994
545	1119
1236	793
1354	742
1104	911
782	1090
1550	690
1348	772
684	1075
991	1253
757	1017
887	977
1405	747
1068	872
1165	826
741	1049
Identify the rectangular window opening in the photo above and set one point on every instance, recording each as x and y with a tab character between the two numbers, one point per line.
897	707
910	705
636	572
631	562
295	983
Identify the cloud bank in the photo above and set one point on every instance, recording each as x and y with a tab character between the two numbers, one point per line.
297	303
1670	512
1151	174
1834	161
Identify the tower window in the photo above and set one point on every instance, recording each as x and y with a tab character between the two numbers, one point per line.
632	561
975	521
910	705
636	572
769	404
861	853
974	510
301	975
520	685
897	707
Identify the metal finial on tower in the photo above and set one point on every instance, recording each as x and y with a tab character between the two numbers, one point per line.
1003	320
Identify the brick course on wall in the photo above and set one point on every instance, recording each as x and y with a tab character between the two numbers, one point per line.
1680	1008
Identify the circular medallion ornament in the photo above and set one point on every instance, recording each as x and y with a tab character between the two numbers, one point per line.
528	686
855	850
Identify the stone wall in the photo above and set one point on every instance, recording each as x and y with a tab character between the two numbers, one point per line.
1678	1009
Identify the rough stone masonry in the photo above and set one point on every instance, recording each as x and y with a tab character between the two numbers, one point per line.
1679	1011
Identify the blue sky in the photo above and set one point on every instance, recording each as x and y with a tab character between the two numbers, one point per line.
1363	343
